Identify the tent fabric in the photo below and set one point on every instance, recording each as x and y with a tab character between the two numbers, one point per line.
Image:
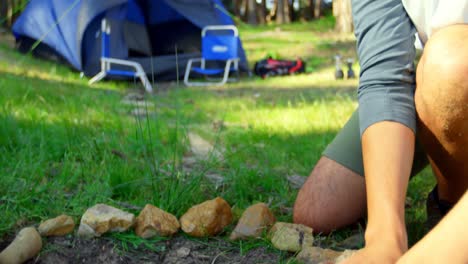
141	30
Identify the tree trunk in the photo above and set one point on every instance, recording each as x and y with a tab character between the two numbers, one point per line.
251	12
342	13
237	8
261	12
287	11
317	8
282	12
3	13
292	13
9	13
306	7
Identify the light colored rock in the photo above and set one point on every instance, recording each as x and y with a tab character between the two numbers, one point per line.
141	112
153	221
207	219
103	218
291	237
316	255
58	226
254	221
296	181
134	97
346	254
26	245
216	179
140	104
353	242
182	252
201	148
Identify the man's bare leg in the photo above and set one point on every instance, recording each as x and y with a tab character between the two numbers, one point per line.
332	197
442	105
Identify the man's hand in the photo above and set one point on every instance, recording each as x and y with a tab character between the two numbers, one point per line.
378	253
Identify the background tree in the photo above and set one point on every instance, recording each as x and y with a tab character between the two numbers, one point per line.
251	12
283	14
342	13
262	12
9	10
317	8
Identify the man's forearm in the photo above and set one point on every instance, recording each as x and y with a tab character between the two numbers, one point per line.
446	242
388	149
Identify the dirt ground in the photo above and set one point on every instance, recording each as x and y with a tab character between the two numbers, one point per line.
68	250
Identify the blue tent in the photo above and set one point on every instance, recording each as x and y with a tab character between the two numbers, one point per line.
146	31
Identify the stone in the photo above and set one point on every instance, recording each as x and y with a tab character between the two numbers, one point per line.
207	219
141	112
59	226
153	221
353	242
138	103
254	221
26	245
183	252
316	255
134	97
201	148
296	181
346	254
291	237
103	218
216	179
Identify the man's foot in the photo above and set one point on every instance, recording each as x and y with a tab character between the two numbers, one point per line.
436	209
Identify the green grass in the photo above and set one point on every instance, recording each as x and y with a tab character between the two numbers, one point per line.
66	146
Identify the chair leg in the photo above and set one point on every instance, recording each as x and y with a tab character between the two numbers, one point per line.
226	73
187	74
146	83
97	77
225	78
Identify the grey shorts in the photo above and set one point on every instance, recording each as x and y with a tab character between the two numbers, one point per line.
346	149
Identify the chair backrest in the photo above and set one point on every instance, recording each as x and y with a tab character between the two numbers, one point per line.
105	39
220	42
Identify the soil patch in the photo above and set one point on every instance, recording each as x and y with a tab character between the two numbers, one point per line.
68	250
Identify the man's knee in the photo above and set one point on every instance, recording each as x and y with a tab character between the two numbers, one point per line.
332	197
310	212
446	55
442	83
308	209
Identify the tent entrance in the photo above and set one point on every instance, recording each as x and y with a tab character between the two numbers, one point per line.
167	36
153	28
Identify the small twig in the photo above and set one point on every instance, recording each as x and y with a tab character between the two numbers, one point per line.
216	257
119	154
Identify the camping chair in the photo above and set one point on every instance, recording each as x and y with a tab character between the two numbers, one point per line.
106	62
219	48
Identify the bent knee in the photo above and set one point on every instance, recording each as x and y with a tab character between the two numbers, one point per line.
442	81
307	210
446	54
332	197
309	214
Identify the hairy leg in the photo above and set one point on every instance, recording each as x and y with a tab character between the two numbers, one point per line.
332	197
442	105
